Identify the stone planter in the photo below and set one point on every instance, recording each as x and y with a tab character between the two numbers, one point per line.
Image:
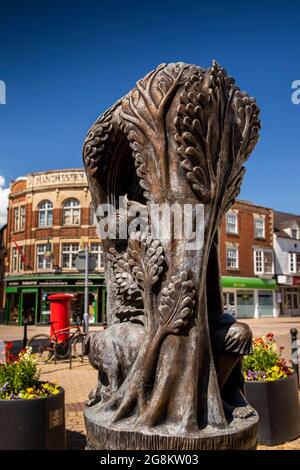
33	424
277	404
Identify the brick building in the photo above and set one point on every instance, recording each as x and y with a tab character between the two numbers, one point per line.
50	218
3	266
247	261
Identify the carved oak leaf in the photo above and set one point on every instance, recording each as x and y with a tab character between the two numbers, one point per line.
97	147
143	120
145	260
217	128
122	271
176	303
129	301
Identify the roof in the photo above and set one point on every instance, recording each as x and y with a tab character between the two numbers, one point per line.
283	220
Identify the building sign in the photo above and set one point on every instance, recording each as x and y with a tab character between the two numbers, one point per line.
57	178
287	280
53	282
296	281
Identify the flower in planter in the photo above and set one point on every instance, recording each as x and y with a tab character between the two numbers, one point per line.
266	362
19	378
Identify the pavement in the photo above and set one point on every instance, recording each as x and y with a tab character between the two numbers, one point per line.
79	380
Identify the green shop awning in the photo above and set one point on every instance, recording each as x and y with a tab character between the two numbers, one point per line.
248	283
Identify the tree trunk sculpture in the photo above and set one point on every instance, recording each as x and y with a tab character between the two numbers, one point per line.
181	136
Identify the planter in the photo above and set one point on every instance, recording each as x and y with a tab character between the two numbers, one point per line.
33	424
277	404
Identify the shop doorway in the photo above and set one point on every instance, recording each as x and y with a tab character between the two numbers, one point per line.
28	306
265	303
292	302
229	303
245	303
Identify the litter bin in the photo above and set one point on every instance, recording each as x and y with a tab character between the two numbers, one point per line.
60	307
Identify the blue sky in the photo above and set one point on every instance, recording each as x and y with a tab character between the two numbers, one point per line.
64	62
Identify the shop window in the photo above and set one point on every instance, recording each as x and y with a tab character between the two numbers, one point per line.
232	222
19	218
45	211
96	250
71	212
259	227
13	302
43	262
232	258
294	262
263	262
265	303
69	252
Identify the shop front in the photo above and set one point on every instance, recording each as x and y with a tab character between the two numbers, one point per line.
289	288
247	297
28	297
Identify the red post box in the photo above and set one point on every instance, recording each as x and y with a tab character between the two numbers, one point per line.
60	314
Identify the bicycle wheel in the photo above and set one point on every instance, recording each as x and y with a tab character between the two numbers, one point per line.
62	349
78	346
42	347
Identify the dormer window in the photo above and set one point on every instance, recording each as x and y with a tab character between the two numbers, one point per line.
294	233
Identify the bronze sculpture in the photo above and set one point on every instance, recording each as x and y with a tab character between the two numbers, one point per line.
170	361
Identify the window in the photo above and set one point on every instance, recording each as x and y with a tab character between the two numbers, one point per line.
16	219
232	258
93	219
263	262
19	218
69	252
259	227
22	217
96	250
45	214
294	262
17	259
42	262
71	212
231	222
294	233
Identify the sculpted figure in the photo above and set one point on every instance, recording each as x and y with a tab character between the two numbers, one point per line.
169	362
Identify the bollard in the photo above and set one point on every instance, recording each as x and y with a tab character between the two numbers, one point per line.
294	347
25	339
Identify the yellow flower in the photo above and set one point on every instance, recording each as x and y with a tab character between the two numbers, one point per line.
29	390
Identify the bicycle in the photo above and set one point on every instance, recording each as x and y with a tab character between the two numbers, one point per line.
46	347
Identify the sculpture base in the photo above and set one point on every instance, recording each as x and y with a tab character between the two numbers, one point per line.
241	434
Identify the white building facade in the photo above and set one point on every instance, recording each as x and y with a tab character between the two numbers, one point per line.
287	262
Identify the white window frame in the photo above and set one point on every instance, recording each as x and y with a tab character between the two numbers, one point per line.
93	218
293	263
235	230
263	220
72	205
98	253
73	251
259	252
16	218
45	207
19	218
297	233
46	263
22	217
236	250
17	265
